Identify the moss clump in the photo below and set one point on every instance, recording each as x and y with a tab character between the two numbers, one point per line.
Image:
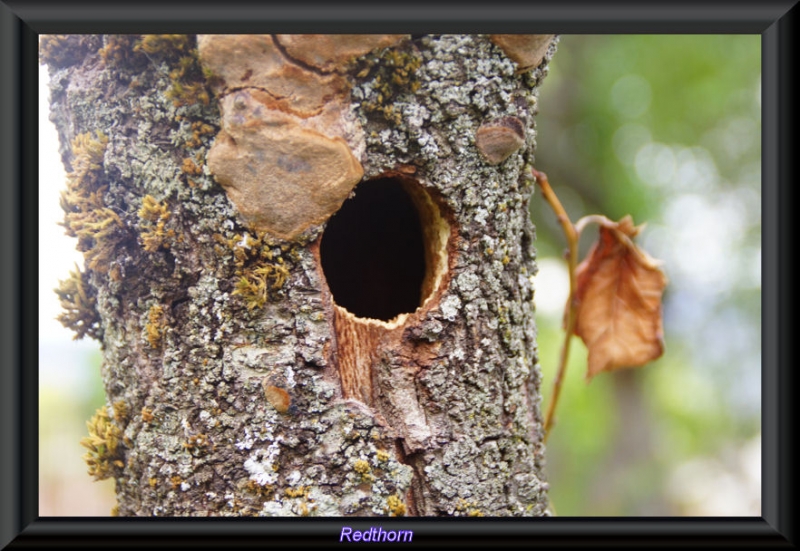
391	72
147	415
134	52
301	491
104	457
120	412
131	55
259	273
198	443
154	217
256	284
361	467
156	326
469	509
395	506
78	299
199	130
187	87
188	79
119	51
63	50
190	167
163	45
97	227
264	492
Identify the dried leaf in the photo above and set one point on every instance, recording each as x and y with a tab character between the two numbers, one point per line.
618	294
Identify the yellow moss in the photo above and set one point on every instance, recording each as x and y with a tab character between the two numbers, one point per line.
96	226
199	441
255	285
78	300
62	50
264	492
156	325
393	72
147	415
189	167
153	481
104	456
383	455
175	481
467	508
396	506
161	45
120	412
154	217
305	510
361	467
188	80
120	51
259	274
300	491
199	129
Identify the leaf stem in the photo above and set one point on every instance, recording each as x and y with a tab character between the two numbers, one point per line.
571	307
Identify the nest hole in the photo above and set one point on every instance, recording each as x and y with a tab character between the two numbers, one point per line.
383	251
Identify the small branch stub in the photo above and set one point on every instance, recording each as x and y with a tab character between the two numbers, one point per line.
499	139
526	50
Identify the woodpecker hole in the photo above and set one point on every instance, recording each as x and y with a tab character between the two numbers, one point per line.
384	252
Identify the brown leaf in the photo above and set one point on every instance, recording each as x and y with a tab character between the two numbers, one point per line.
618	294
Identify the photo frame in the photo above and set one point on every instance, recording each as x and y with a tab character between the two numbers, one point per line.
20	25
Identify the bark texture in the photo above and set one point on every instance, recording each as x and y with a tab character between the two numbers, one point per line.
235	384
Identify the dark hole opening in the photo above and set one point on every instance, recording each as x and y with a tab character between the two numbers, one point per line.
373	253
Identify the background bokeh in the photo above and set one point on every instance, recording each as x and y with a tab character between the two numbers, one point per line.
666	128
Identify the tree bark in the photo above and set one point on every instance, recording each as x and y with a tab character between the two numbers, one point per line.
308	262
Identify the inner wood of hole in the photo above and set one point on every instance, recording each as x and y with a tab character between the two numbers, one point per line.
361	340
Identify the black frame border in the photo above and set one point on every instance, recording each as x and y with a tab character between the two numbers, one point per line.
21	23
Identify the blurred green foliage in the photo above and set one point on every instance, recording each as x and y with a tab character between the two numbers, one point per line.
665	128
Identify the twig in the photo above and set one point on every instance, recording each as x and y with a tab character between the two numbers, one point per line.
572	261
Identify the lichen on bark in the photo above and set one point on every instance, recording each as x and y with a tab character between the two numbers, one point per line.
235	409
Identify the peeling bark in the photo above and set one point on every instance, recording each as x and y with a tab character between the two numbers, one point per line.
235	383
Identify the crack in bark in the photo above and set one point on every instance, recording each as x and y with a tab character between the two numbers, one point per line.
302	64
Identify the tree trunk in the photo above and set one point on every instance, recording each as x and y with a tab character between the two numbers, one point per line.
308	261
